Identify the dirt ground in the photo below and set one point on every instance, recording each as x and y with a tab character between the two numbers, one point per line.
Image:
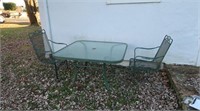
27	84
186	80
30	86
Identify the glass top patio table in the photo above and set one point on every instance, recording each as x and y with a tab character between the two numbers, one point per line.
93	51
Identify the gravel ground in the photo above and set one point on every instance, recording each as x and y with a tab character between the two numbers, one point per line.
27	84
186	78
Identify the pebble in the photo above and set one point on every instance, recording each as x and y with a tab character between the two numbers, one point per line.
151	92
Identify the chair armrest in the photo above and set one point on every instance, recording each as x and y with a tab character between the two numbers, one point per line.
146	48
143	48
57	43
146	58
159	57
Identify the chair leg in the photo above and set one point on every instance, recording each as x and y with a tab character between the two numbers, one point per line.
56	70
66	63
86	64
75	72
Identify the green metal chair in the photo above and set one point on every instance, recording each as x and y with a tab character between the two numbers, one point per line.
144	62
39	41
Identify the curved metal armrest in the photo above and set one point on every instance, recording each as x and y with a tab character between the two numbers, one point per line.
143	57
143	48
146	48
57	43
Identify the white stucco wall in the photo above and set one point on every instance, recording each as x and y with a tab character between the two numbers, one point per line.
135	24
1	4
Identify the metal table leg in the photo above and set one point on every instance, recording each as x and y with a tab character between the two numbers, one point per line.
75	72
104	77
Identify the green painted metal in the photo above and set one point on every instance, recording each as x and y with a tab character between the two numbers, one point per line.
38	40
104	77
152	63
93	51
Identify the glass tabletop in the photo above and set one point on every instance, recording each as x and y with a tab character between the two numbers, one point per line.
96	51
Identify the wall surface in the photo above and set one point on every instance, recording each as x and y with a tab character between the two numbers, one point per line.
143	24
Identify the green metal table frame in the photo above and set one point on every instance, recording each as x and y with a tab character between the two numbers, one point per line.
93	51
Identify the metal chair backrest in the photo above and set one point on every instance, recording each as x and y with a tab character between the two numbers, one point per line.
38	39
166	43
